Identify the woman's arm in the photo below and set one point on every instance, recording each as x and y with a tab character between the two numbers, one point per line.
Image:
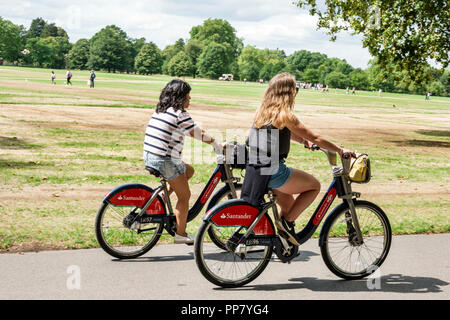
200	134
299	131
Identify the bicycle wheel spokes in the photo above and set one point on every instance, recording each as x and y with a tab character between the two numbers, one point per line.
121	239
349	257
236	265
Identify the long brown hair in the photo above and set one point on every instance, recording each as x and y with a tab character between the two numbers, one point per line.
278	102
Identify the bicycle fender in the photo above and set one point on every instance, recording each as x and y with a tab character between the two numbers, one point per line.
135	194
340	207
237	212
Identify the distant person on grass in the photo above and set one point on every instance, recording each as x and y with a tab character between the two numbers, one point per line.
68	77
91	78
53	77
163	144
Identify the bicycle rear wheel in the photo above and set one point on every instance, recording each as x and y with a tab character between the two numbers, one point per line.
340	251
233	267
121	241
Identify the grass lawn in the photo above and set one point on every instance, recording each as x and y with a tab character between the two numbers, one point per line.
62	149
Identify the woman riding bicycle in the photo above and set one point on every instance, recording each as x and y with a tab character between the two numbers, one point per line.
276	113
163	144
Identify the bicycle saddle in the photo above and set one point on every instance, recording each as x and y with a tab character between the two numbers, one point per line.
153	171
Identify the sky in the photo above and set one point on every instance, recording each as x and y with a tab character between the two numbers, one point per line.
262	23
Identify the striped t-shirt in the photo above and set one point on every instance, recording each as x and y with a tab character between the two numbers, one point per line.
165	132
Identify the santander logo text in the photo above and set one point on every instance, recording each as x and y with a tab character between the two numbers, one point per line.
236	216
138	198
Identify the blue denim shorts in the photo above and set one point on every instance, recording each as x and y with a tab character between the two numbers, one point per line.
280	177
169	167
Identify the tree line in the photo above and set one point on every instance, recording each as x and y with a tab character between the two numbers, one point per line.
212	49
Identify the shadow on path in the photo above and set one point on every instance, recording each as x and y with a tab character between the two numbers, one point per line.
390	283
305	256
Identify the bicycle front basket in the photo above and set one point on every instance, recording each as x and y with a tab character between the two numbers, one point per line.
360	169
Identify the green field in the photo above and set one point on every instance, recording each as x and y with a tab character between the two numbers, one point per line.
62	148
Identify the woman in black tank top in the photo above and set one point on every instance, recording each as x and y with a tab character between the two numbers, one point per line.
275	115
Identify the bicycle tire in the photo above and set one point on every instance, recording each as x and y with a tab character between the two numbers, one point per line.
214	278
219	196
118	253
332	225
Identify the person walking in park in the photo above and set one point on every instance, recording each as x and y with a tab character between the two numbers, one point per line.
68	77
353	90
91	78
53	77
163	144
276	114
427	96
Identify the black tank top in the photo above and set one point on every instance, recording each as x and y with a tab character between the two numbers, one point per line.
277	140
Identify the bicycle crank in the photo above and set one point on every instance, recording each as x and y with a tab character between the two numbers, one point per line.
284	250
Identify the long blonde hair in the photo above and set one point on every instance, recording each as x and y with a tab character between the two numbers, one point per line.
278	102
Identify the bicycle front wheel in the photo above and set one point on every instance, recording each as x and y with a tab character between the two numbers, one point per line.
219	234
342	253
122	241
233	267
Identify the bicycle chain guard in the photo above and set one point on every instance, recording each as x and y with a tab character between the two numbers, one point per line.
285	254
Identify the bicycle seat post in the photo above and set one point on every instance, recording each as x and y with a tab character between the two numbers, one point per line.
166	195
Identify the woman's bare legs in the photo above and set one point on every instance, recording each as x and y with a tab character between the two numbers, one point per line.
302	183
189	173
181	187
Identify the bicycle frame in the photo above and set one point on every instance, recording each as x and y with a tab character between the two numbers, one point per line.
339	186
221	173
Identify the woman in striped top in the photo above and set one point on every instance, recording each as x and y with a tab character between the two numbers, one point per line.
163	144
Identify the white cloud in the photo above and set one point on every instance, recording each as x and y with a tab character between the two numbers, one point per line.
262	23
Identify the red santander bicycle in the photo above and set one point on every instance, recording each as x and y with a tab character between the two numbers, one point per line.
133	216
354	240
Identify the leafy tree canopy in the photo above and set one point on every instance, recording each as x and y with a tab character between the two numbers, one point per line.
402	34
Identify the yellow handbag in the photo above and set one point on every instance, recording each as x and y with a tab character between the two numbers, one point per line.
360	169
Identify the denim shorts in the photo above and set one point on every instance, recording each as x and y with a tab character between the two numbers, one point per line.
170	168
279	178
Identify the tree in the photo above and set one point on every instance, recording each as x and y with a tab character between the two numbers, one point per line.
49	30
304	59
336	79
109	49
170	51
403	35
250	62
250	71
194	49
10	40
180	65
359	79
220	32
213	61
79	54
311	75
437	88
149	59
36	28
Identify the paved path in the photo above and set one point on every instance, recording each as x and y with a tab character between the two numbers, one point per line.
418	267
